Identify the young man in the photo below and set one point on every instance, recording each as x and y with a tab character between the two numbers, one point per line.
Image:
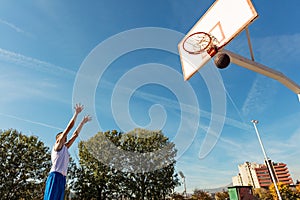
56	181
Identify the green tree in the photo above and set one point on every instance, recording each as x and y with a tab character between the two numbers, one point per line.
297	191
262	194
24	166
177	196
110	169
152	173
285	191
201	195
93	179
222	195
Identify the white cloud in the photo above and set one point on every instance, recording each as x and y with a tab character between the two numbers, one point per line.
12	26
274	55
18	84
36	64
30	121
258	98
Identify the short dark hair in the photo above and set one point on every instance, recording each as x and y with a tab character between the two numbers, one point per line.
57	135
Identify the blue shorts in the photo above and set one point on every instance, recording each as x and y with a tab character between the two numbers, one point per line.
55	186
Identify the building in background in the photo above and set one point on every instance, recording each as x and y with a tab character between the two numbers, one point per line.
247	175
257	175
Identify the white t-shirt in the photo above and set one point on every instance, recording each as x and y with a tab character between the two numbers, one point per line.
60	160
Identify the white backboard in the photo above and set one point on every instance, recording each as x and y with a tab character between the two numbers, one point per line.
224	20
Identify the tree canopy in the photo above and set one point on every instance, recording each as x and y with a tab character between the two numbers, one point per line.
285	191
201	195
24	166
136	165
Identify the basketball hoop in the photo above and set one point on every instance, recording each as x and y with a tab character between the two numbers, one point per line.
200	42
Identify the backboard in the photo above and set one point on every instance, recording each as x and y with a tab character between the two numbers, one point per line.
223	21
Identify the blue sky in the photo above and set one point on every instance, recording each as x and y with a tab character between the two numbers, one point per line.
46	45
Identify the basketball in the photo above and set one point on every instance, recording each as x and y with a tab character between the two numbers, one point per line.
222	60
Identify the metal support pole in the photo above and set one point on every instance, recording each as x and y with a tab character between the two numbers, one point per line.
184	187
266	159
184	184
249	43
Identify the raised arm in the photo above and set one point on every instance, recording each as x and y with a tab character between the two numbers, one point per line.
77	130
61	139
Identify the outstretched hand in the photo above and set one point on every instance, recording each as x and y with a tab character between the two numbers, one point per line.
78	129
78	108
86	119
